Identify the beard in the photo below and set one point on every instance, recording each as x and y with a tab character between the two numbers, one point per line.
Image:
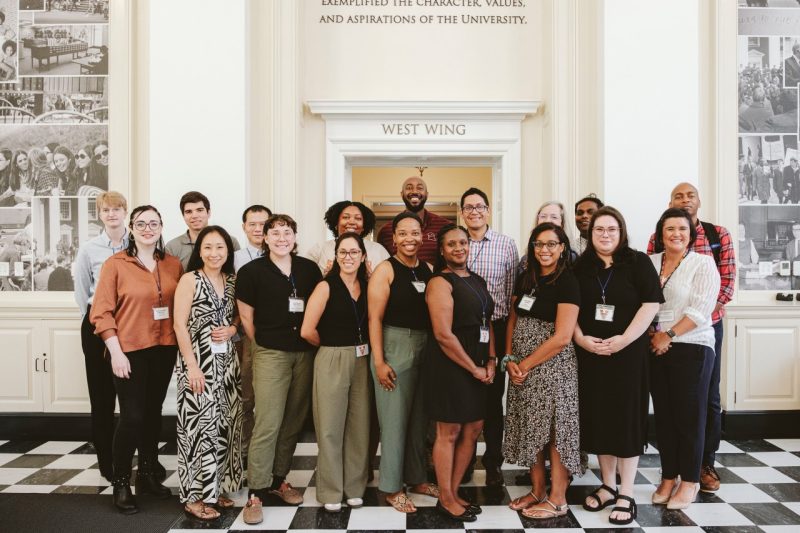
415	208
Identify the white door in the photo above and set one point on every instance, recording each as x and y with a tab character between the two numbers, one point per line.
20	389
64	371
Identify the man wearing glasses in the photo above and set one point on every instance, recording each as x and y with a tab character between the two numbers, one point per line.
715	241
494	257
414	194
196	210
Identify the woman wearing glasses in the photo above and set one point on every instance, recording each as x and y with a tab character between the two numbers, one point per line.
542	404
132	312
683	356
336	321
620	295
553	212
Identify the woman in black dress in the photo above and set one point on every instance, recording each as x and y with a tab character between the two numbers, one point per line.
620	295
462	362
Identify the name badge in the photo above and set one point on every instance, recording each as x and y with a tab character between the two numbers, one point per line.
484	335
296	305
526	303
666	316
160	313
219	347
362	350
419	285
604	313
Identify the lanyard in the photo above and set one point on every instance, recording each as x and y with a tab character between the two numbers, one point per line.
475	260
412	269
359	321
247	249
481	299
604	285
158	280
220	304
661	273
290	277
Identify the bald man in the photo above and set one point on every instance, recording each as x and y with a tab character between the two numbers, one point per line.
414	194
714	241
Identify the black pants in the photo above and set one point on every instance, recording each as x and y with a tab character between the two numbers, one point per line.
493	424
140	400
102	395
679	386
714	412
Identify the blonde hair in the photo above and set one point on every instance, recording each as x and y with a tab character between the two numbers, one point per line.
548	203
111	199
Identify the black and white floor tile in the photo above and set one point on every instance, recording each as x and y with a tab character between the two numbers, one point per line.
760	492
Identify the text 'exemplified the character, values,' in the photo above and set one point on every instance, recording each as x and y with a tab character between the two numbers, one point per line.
469	12
438	129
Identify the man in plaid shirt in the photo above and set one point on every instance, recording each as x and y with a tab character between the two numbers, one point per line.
494	257
720	246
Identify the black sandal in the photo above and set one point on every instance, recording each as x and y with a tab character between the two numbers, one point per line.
631	510
600	503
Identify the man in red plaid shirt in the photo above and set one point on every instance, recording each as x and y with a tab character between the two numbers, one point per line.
714	241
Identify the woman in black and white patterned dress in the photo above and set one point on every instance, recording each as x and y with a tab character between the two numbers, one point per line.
542	404
209	389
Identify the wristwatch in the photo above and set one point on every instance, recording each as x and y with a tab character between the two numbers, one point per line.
671	333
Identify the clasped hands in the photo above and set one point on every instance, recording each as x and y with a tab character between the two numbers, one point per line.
604	347
660	342
485	374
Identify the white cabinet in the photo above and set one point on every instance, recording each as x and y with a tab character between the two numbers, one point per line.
767	364
42	367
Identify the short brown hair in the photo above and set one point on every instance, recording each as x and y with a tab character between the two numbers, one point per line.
279	219
111	199
193	197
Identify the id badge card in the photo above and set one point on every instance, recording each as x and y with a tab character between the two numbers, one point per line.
419	285
160	313
484	335
604	313
362	350
219	347
526	302
296	305
667	315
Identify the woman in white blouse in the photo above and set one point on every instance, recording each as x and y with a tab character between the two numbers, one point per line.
682	344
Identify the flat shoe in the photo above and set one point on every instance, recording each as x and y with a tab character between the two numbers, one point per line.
631	510
659	499
431	489
225	503
204	512
675	504
554	511
466	516
401	503
600	503
518	504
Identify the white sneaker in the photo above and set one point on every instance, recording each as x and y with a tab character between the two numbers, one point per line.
355	502
333	507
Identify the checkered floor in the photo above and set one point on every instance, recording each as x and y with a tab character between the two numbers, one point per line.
760	492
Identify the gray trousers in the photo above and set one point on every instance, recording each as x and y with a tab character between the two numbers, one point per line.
400	412
341	418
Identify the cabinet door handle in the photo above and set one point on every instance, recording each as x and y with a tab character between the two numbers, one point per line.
36	364
44	364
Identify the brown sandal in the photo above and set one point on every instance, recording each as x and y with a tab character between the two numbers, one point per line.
430	489
548	510
204	512
523	502
401	503
225	503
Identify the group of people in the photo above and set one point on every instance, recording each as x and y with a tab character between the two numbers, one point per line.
419	327
765	106
761	179
51	170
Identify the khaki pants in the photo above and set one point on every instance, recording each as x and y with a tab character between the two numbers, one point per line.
341	418
400	412
282	386
245	348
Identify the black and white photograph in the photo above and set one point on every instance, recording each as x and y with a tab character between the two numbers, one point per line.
72	50
765	105
16	247
32	5
55	100
769	3
9	30
74	12
60	226
769	170
45	160
768	254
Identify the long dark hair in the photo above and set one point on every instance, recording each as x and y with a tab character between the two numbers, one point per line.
673	212
335	211
5	174
529	278
362	268
131	250
441	264
196	262
621	255
16	179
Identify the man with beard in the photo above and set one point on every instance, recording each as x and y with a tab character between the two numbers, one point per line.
584	209
414	194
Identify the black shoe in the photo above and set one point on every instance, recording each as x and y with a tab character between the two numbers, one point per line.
466	516
148	483
123	497
474	508
494	477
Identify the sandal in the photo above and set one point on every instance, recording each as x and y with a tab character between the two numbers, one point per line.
204	512
525	501
631	510
401	503
554	511
600	503
430	489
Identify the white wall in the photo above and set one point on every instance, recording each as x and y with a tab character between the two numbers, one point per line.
197	109
651	107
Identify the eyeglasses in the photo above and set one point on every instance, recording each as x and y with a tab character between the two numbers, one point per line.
352	253
141	225
550	245
613	230
82	156
477	208
101	155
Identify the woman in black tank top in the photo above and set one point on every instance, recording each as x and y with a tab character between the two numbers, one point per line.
399	326
336	321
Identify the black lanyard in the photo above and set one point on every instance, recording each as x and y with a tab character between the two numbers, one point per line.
661	272
359	321
158	279
604	285
484	301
